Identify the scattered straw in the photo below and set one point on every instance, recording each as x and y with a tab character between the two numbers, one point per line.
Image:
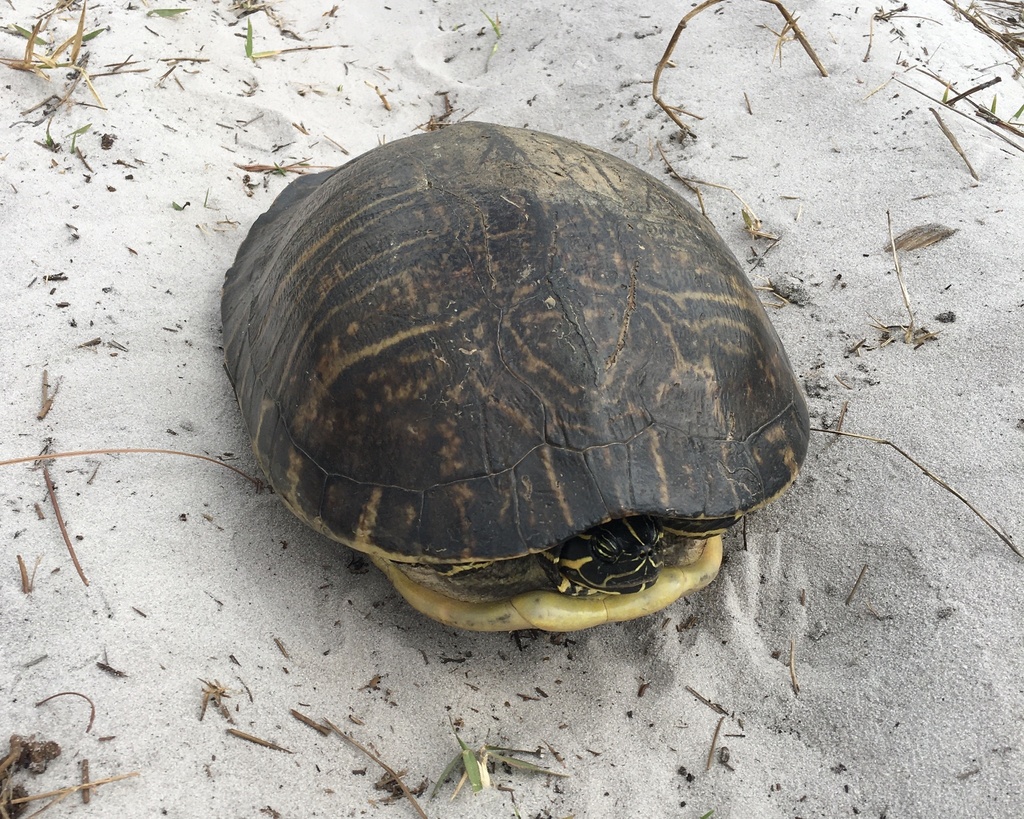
1003	13
666	58
216	693
391	771
979	87
750	219
976	121
39	64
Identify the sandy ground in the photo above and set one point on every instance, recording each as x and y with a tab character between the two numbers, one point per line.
911	701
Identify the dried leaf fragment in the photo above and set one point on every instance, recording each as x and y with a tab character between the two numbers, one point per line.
921	236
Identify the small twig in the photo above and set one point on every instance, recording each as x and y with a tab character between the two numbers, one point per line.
47	399
856	585
87	791
970	91
390	771
383	97
792	667
714	706
26	584
60	523
842	415
92	705
799	35
908	331
312	723
664	61
1003	536
266	743
714	741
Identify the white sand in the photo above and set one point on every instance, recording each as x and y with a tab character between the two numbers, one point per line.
911	702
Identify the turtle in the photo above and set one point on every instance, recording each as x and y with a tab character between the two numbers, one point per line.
523	376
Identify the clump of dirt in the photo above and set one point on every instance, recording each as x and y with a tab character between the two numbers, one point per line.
25	753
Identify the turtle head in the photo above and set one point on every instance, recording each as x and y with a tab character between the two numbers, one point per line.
617	557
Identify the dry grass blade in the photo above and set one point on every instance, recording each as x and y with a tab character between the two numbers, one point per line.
132	451
714	706
390	771
750	219
979	87
63	793
216	693
299	167
46	404
908	331
1003	536
955	143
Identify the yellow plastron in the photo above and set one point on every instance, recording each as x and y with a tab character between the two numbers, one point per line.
552	611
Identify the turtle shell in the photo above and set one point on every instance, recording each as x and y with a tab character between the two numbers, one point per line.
476	343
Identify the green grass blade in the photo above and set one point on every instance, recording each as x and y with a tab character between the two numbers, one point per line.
447	772
523	765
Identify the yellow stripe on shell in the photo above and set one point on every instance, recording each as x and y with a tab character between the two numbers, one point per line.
551	611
